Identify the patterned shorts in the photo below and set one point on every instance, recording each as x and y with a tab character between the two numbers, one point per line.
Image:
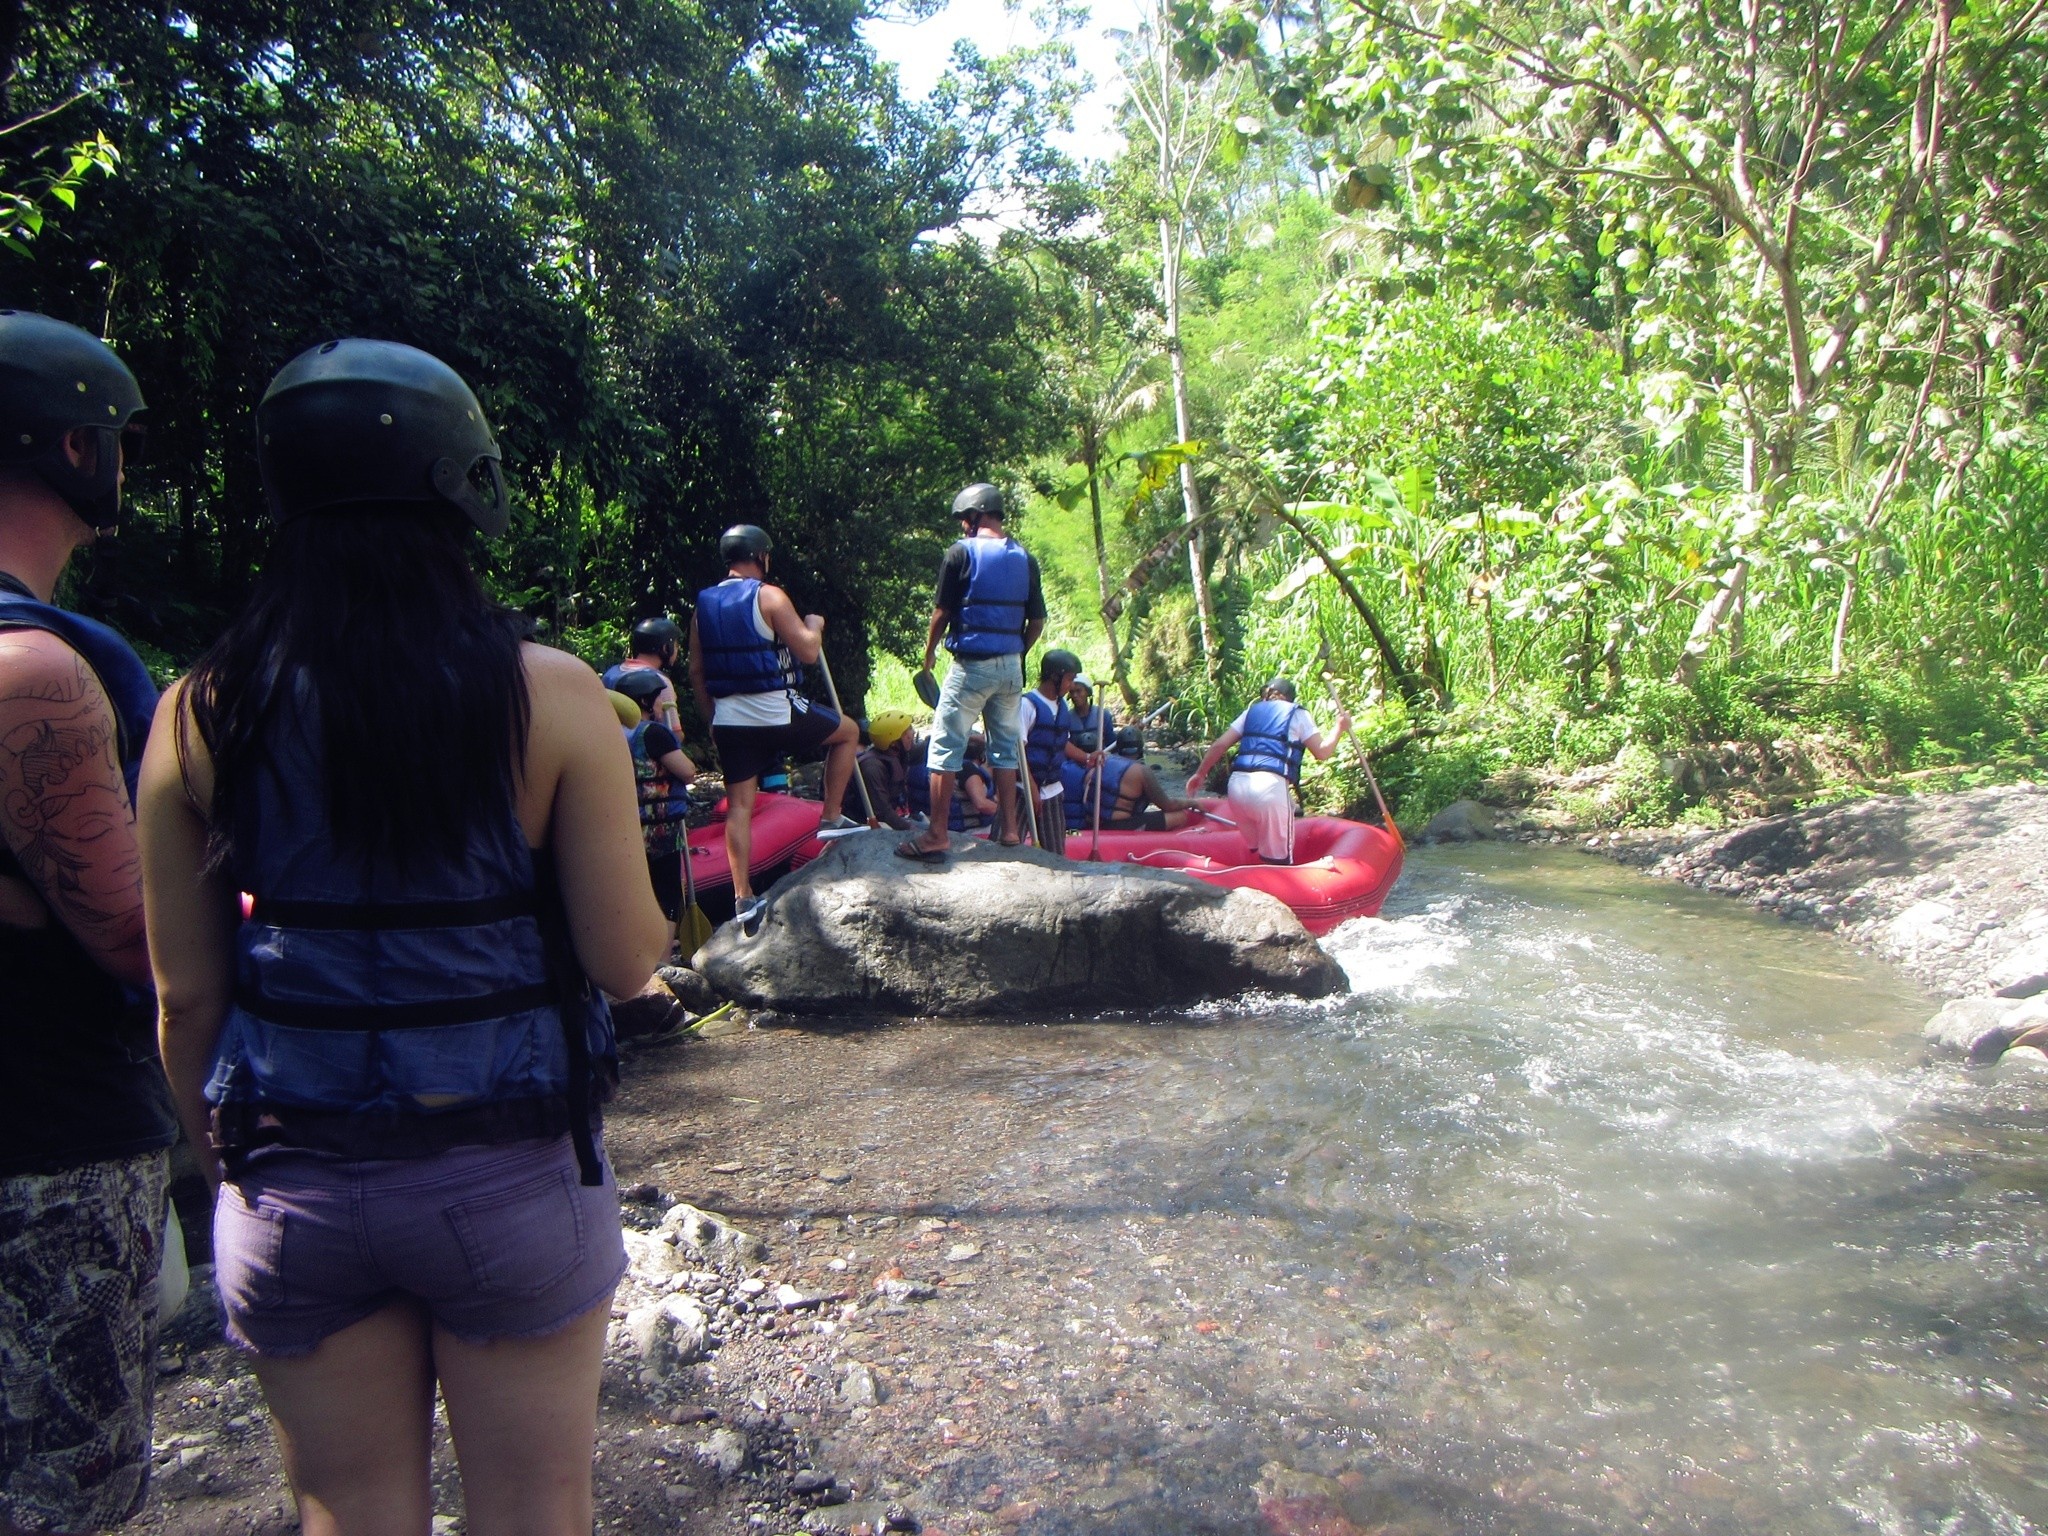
79	1253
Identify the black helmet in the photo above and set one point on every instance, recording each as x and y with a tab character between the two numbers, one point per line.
653	636
978	501
1130	742
1054	661
1281	687
743	541
356	421
642	685
55	378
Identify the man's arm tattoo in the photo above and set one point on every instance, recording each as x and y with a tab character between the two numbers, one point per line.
64	806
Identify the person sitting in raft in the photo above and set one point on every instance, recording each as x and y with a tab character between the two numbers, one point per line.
660	770
990	608
1270	738
1049	745
1133	799
885	766
973	802
746	642
1088	715
657	646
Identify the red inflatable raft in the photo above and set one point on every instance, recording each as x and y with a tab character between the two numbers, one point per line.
782	824
1342	869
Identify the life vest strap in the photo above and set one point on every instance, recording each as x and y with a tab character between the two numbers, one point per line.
380	916
383	1017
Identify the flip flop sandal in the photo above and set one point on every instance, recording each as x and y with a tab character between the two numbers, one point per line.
919	855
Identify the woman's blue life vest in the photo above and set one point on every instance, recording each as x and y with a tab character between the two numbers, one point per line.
736	659
1080	782
1263	746
918	787
379	1014
991	617
1045	742
664	811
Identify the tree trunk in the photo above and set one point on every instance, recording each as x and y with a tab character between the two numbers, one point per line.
1190	492
1116	655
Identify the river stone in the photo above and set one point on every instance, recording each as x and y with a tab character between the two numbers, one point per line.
1966	1020
1462	821
1007	930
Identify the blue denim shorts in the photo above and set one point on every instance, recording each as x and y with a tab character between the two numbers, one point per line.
991	687
500	1242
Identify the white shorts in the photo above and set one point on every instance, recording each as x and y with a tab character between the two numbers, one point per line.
1262	804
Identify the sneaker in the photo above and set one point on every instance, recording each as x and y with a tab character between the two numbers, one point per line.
748	914
839	826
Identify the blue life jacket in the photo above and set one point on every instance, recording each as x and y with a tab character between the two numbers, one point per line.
664	811
918	786
1263	746
991	617
1045	743
380	1015
611	675
736	658
1080	782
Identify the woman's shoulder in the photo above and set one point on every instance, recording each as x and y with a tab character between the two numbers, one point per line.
550	667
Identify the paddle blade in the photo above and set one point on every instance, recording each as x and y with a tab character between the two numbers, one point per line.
693	931
927	688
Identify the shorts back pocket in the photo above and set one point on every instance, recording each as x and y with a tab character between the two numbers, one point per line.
524	1239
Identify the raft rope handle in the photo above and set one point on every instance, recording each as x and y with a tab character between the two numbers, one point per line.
1211	867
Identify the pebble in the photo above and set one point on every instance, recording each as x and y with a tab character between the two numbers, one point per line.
834	1175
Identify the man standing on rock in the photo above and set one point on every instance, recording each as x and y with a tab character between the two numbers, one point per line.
746	642
85	1113
989	610
1270	738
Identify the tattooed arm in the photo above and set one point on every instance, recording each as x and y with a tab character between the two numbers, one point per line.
64	807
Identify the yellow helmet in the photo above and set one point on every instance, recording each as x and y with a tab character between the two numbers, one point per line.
888	728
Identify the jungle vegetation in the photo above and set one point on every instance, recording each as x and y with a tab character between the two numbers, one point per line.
1563	386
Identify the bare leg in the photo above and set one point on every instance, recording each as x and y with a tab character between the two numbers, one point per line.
523	1413
1006	805
937	836
739	834
842	747
355	1423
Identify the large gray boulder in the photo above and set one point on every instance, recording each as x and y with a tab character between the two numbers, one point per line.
1006	930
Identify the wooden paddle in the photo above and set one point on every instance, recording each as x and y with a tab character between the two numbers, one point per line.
859	778
1330	686
1102	747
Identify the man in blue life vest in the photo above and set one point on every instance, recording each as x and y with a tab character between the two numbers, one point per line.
85	1114
974	801
1088	715
746	643
661	772
1270	738
989	611
1050	748
656	647
1133	798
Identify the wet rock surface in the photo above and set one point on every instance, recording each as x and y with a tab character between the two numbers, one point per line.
997	931
1951	888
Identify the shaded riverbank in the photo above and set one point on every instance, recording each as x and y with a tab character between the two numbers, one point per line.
1599	1205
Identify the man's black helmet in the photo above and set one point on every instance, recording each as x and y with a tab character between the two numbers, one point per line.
1281	688
642	685
54	378
978	501
356	421
653	636
1130	742
744	541
1059	661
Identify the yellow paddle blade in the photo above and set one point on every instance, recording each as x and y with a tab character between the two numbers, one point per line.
693	931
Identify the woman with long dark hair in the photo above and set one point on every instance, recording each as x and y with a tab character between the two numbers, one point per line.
391	855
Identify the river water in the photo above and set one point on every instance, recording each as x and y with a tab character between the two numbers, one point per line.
1601	1204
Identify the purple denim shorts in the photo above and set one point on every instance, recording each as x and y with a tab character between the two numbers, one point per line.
499	1242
